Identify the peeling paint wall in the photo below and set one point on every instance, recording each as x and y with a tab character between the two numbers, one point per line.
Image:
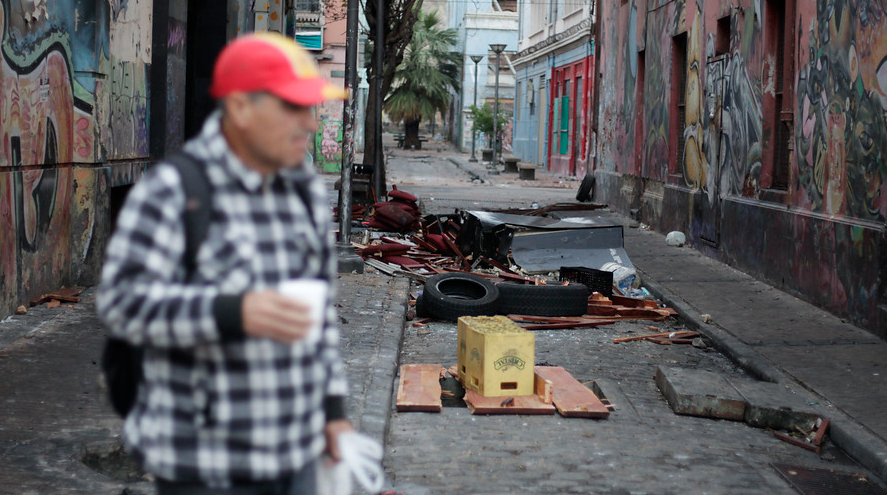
73	95
819	235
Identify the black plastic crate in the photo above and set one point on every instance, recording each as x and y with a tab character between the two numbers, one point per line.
596	280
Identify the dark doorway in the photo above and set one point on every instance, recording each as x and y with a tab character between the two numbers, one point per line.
207	28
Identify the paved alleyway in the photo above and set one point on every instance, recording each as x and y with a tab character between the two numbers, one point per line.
642	448
53	415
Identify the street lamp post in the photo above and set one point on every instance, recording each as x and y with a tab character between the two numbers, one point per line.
475	59
497	48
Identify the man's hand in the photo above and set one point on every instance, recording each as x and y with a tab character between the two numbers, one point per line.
272	315
332	430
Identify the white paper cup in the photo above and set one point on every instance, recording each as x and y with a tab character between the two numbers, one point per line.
312	292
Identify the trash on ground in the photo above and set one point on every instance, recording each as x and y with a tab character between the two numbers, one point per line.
676	239
55	298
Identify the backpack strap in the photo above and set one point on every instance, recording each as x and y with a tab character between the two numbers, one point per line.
198	204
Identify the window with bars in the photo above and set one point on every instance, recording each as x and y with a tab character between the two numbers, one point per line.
307	5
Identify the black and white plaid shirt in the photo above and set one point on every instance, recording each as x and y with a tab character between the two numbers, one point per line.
216	406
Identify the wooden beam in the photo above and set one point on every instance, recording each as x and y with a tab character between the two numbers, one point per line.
419	388
521	404
571	398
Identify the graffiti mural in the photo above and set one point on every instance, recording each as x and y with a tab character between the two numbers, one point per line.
72	91
742	130
328	144
657	88
841	148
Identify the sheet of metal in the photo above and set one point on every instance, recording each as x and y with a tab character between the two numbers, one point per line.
592	247
577	222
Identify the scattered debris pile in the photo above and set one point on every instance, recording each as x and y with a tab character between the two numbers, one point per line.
52	299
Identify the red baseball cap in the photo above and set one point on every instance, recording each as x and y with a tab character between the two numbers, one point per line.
273	63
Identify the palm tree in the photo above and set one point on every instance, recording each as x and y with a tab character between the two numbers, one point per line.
423	80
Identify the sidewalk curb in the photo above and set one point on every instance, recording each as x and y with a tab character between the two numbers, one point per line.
868	449
469	171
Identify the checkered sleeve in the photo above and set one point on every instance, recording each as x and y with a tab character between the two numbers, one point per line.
142	297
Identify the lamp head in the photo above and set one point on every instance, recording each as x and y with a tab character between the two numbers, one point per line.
497	47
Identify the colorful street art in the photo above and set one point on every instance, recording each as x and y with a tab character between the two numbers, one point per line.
73	90
842	112
825	228
328	144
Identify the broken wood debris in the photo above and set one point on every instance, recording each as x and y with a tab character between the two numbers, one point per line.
679	335
55	298
811	440
571	398
418	389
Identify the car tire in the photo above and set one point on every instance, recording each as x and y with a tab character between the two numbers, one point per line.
543	300
447	296
586	189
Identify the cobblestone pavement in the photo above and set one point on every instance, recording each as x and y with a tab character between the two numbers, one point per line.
54	414
642	448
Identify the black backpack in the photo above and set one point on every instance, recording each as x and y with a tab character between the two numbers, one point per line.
122	361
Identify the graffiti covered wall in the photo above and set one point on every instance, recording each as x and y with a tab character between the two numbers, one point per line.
73	93
709	175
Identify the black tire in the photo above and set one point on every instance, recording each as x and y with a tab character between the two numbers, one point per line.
543	300
421	312
586	189
447	296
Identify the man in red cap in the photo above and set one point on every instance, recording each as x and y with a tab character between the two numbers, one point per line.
237	396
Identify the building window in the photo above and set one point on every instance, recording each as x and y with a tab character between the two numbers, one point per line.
307	5
531	97
722	37
639	114
679	102
779	116
517	101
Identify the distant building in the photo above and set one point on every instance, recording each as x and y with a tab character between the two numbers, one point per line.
555	85
479	25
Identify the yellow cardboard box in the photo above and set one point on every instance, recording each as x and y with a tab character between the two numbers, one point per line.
496	357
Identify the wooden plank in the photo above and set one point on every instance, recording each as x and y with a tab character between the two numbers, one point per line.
794	441
820	432
522	404
684	334
631	302
571	398
601	310
567	325
419	388
642	313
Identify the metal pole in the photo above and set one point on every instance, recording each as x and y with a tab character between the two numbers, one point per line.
496	116
476	59
348	259
379	171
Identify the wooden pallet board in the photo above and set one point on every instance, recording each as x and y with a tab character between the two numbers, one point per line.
522	404
571	398
419	388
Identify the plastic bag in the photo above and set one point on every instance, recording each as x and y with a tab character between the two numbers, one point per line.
333	478
361	458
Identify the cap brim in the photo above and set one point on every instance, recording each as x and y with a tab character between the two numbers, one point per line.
309	92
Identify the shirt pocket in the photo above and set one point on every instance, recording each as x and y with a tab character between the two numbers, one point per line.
226	259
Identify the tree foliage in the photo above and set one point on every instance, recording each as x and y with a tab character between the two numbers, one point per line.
427	74
483	120
400	16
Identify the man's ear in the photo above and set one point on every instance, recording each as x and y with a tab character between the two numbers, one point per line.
238	109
